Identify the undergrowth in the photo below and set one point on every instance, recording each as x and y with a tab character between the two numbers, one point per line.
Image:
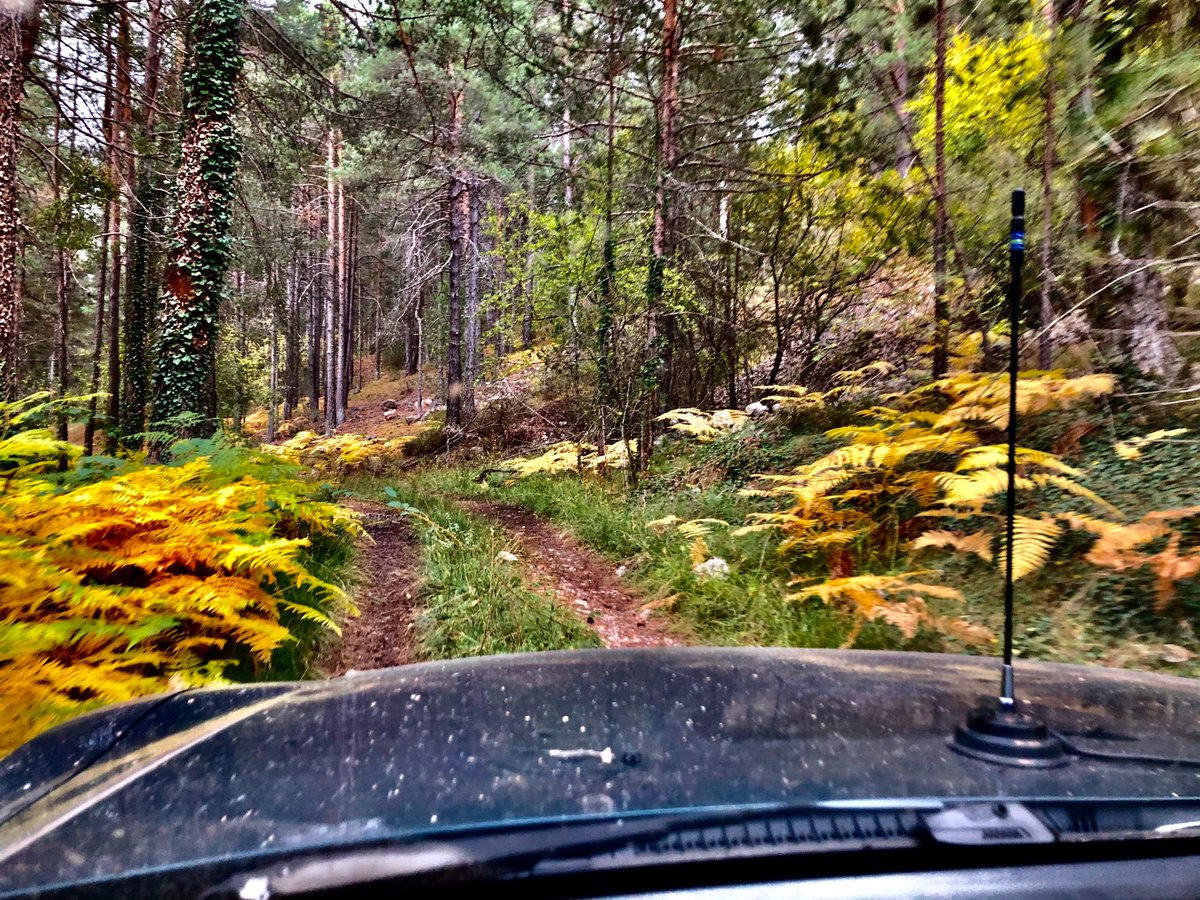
120	578
748	607
1091	600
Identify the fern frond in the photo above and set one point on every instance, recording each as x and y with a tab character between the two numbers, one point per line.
1131	449
1033	542
979	542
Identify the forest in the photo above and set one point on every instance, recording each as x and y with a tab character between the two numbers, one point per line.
337	334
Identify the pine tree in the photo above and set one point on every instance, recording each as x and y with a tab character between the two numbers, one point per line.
19	23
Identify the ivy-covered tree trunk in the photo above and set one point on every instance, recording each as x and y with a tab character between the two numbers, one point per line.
199	251
19	23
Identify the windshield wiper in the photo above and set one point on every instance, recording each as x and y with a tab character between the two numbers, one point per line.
521	848
549	848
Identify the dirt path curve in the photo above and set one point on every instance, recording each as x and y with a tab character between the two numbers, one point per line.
383	634
586	583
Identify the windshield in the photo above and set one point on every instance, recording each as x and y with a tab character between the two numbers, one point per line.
351	352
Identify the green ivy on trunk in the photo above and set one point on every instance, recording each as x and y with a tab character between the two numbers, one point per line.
199	251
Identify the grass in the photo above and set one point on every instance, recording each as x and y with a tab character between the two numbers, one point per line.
750	607
474	604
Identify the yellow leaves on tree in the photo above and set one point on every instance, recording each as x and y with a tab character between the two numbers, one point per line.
154	577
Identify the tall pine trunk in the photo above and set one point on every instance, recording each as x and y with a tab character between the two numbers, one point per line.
19	25
608	271
145	214
62	330
472	310
341	387
291	341
121	170
1045	344
199	252
941	312
332	284
660	325
458	215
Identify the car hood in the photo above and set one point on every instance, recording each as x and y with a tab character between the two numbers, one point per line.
425	748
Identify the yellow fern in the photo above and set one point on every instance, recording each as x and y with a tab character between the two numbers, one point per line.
705	427
979	542
1132	449
898	600
152	577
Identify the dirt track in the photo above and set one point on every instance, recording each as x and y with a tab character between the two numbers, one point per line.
556	564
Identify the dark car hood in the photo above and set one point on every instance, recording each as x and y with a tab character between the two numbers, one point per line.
231	771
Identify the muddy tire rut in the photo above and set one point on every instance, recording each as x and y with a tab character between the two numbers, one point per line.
383	634
557	565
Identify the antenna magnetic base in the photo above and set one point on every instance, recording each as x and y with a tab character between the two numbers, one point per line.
1000	734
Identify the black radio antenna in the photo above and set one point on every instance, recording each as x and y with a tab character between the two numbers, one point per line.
997	731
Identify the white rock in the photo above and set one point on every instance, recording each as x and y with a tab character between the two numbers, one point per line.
714	567
757	410
722	418
505	556
390	413
621	570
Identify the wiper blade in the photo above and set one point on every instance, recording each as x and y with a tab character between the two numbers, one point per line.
520	849
547	848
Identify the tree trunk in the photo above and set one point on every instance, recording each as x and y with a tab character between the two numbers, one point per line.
241	348
18	34
273	374
660	325
906	155
458	215
112	423
200	247
89	432
291	342
141	290
122	168
314	330
1045	342
62	330
472	307
342	391
941	312
332	283
412	335
608	271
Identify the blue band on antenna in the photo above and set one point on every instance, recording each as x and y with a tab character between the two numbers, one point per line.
1018	240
